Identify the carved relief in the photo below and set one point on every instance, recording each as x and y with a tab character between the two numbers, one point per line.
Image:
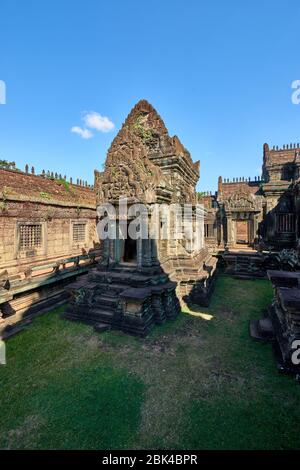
243	202
139	160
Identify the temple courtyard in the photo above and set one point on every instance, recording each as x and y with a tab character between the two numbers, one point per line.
199	382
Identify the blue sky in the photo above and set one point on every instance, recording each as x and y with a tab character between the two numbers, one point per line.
219	73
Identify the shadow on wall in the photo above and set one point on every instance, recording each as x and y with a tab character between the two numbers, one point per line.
22	299
278	228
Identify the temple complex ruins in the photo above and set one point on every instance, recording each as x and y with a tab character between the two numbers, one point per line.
244	211
254	227
133	277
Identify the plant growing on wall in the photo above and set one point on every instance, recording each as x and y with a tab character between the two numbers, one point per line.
200	195
4	195
6	165
145	134
44	195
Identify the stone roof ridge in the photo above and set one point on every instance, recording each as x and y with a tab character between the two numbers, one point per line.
285	147
143	109
15	183
51	176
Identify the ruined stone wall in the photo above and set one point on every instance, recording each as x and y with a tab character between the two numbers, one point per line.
47	239
57	234
46	208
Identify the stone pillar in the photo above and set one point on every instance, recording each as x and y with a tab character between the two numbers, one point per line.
139	252
255	226
105	252
153	236
220	231
112	241
145	243
146	252
199	227
112	251
154	252
230	229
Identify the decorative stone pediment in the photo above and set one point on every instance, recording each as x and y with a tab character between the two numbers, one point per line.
128	172
144	164
244	202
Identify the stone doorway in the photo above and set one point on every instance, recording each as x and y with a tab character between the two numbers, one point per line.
242	232
130	250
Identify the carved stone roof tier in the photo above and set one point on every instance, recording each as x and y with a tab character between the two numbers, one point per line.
145	164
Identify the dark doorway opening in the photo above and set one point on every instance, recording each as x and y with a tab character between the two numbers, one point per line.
130	251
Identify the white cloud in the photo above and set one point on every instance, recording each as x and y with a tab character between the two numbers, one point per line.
94	120
84	133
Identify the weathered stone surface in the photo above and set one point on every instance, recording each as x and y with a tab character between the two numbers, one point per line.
33	279
259	212
145	165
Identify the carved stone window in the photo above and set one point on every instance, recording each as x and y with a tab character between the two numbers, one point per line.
79	232
285	223
30	236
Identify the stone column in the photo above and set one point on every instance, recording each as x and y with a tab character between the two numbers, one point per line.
199	227
255	226
112	240
220	236
146	252
230	228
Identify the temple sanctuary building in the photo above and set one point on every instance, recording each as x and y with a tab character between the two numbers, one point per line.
139	282
245	213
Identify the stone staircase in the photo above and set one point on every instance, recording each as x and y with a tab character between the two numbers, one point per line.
262	330
244	265
124	298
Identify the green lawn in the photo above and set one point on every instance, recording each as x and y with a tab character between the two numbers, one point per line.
197	383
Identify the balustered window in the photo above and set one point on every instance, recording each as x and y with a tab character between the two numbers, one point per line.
79	232
30	236
285	223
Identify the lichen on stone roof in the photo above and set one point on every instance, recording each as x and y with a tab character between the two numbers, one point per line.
143	160
18	185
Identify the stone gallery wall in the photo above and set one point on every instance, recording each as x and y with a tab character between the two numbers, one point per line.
57	239
47	237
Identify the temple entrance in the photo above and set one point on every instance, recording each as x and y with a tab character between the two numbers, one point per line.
242	232
130	250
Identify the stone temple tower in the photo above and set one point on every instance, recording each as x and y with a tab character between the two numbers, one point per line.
140	280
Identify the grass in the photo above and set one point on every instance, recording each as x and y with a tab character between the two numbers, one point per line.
199	382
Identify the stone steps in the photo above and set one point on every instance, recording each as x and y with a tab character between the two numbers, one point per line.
262	330
107	301
103	313
100	327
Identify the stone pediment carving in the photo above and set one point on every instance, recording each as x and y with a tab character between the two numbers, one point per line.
144	164
245	202
128	172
